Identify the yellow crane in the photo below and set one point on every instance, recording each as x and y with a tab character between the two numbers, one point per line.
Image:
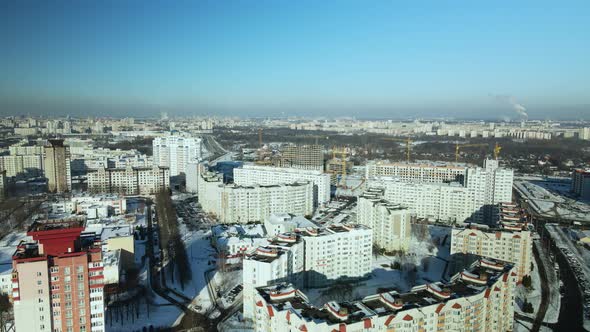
343	154
459	146
497	149
408	142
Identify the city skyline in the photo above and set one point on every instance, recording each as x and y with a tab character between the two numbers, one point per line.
386	60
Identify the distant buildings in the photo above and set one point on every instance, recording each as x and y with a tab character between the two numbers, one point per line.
129	180
250	175
57	167
581	183
510	246
390	223
57	280
176	152
303	156
477	299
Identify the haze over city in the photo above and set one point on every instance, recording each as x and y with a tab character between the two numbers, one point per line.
383	59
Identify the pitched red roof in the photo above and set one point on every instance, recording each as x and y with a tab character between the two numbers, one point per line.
288	316
439	308
368	323
303	328
487	294
408	317
342	327
271	312
259	304
456	306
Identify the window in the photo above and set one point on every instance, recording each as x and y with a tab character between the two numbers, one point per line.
80	268
67	270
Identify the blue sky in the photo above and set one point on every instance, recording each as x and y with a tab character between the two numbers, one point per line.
361	58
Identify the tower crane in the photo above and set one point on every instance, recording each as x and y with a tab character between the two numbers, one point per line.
408	142
497	149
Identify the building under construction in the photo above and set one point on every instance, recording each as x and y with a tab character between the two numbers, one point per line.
303	157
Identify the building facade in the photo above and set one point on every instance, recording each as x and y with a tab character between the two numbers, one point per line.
451	194
391	223
309	257
129	180
515	247
303	156
250	175
581	183
57	167
242	204
478	299
58	283
175	152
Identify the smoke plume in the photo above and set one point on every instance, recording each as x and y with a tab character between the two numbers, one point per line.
518	108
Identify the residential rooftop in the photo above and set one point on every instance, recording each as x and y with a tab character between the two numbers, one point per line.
476	280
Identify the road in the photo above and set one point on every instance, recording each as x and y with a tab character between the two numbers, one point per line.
544	291
190	318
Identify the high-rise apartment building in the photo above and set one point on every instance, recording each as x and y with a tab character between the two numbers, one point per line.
303	156
445	193
176	152
232	203
57	166
581	183
309	257
57	280
390	223
129	180
515	247
477	299
249	175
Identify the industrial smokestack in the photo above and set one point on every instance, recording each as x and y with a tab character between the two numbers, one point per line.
518	108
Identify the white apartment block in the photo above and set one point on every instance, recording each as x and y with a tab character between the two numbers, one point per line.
390	223
312	257
428	173
338	251
256	203
510	246
250	175
129	180
281	262
22	165
82	203
243	204
176	152
452	194
478	299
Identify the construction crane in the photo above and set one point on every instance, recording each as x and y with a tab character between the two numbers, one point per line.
408	142
459	146
497	149
343	153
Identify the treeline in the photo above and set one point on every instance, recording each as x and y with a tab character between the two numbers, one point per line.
171	241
